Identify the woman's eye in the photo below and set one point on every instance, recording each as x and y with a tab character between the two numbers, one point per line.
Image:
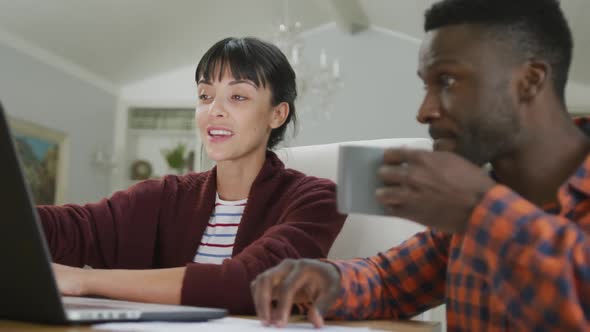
238	98
204	97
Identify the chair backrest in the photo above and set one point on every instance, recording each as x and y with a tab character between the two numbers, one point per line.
362	235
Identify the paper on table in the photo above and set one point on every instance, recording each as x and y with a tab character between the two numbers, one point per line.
219	325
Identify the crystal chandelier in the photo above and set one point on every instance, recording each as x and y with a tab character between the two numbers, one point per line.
316	83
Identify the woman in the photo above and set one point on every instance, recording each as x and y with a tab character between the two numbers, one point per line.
199	239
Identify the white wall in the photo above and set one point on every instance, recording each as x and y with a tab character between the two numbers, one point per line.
578	98
35	91
379	98
176	88
380	94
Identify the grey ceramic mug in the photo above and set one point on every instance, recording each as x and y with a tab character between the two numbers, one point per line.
357	179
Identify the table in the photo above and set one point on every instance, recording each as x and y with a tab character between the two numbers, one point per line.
397	326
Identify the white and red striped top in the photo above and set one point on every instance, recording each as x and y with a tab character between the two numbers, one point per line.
218	240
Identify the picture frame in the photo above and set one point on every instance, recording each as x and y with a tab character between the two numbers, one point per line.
44	154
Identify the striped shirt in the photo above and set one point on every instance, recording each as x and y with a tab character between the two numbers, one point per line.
218	240
517	267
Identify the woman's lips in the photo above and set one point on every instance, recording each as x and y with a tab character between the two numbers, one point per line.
218	135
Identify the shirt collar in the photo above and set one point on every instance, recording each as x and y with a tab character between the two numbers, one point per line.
580	180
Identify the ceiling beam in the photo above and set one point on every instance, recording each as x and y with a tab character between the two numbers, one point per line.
349	15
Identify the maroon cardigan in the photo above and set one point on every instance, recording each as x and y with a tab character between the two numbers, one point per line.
159	224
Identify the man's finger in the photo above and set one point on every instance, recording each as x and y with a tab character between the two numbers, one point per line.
315	317
393	174
399	156
321	305
261	293
396	156
263	287
392	195
285	295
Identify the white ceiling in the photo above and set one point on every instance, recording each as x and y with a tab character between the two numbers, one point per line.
123	41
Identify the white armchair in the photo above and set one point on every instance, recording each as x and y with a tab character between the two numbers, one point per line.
361	235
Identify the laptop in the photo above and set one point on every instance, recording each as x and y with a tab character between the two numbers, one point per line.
28	290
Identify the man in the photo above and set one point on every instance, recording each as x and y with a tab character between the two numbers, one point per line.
510	251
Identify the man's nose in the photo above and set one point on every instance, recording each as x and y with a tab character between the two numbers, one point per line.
429	109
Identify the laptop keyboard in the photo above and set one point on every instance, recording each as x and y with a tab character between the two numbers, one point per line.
81	306
107	304
87	303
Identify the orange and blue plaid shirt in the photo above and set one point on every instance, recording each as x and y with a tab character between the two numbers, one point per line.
517	267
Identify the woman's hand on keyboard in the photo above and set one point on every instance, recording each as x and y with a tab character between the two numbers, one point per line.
70	280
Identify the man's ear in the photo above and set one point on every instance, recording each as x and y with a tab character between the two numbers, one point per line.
279	115
533	79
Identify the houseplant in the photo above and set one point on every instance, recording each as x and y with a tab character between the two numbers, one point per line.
175	158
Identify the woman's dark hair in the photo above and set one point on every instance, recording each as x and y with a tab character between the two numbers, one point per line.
260	62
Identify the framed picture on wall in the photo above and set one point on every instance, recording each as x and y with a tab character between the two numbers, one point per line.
43	153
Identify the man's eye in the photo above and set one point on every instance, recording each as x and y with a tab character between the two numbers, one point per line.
446	81
238	97
204	97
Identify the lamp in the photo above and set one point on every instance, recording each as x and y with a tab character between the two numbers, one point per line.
316	84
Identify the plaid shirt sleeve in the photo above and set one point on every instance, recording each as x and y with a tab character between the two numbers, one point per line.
538	264
399	283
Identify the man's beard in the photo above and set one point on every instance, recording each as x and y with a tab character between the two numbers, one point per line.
490	136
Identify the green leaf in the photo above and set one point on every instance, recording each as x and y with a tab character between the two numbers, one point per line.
176	157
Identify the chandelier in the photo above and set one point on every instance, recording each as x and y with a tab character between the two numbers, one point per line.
316	82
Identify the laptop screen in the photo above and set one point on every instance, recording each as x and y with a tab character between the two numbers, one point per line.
27	285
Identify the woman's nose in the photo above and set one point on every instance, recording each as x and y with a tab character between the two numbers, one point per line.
216	109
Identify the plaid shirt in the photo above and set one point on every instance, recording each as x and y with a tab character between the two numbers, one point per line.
517	267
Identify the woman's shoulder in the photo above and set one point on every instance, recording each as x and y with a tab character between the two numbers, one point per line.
294	176
304	182
172	183
192	177
188	181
